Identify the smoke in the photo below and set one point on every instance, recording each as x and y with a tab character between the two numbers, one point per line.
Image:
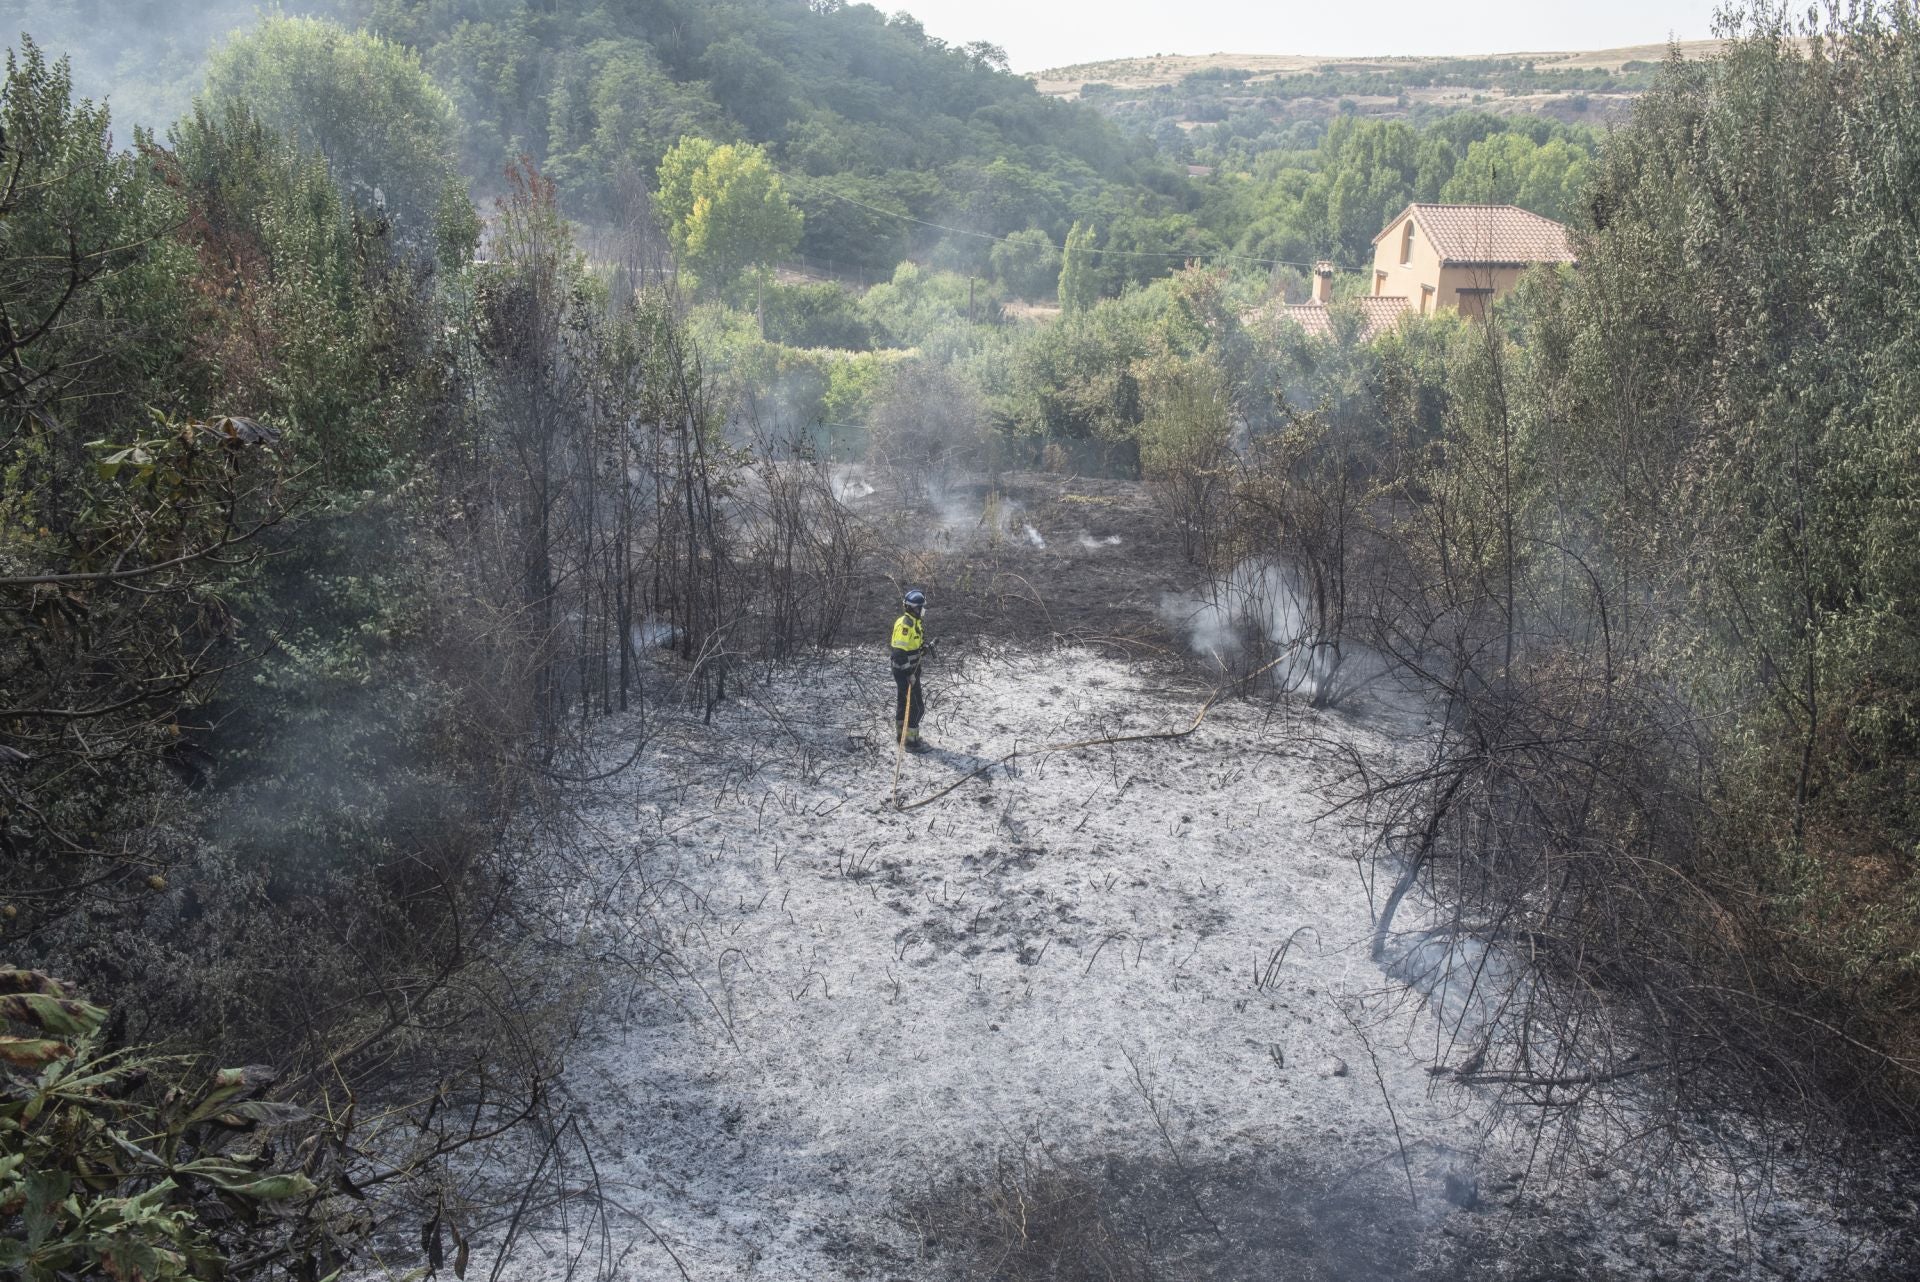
956	513
1092	544
1259	603
145	58
1468	982
654	634
849	481
1256	621
962	514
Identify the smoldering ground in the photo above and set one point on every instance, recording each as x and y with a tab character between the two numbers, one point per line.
1024	555
1255	621
845	1039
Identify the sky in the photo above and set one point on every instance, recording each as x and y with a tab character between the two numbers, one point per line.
1047	33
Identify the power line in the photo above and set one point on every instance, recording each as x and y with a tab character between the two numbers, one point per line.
1008	240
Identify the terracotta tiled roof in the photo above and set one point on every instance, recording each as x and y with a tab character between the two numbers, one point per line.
1503	235
1377	315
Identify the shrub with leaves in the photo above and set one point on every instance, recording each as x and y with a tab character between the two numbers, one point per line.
126	1163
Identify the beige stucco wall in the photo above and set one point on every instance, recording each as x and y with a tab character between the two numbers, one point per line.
1405	280
1453	279
1392	278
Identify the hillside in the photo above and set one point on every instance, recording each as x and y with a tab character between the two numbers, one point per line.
1166	95
1437	805
1145	73
875	123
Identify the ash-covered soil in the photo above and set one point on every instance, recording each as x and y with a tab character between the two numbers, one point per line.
839	1032
1024	557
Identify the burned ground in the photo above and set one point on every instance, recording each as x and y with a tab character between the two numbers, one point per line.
1108	1012
1027	557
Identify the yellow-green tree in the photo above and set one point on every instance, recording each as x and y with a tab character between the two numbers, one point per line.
725	210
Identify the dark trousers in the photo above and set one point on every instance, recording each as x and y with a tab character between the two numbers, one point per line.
909	702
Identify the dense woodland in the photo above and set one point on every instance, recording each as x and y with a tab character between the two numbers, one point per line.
369	429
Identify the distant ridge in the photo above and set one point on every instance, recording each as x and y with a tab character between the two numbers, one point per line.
1166	69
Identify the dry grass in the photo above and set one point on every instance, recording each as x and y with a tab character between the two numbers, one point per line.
1038	313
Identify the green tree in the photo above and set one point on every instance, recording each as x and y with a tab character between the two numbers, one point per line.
1512	169
726	210
1185	432
1079	273
852	223
1026	263
917	306
363	102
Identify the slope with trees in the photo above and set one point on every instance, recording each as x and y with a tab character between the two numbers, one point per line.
870	119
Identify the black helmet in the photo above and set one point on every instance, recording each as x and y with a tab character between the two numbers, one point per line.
915	600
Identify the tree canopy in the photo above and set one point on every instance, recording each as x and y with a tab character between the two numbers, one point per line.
365	103
863	112
725	209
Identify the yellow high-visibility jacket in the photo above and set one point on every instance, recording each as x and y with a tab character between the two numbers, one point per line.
909	636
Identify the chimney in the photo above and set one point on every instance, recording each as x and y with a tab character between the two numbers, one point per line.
1323	282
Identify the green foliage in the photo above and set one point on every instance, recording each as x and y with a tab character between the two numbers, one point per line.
1026	264
1079	285
887	116
825	392
919	307
363	102
1244	119
1329	199
1712	422
85	221
1772	399
854	223
1078	379
615	113
147	640
310	336
227	759
1185	436
123	522
1512	169
120	1163
814	316
927	419
725	210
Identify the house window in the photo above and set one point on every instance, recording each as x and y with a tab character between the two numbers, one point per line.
1426	300
1406	243
1473	302
1379	284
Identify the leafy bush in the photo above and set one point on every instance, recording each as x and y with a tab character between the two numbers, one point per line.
131	1164
814	316
1027	264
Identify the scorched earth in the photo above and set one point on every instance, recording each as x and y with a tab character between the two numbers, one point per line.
856	1012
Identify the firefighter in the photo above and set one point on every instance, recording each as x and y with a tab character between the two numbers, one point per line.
910	645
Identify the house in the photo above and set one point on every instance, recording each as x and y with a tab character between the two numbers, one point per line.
1462	256
1435	256
1377	315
